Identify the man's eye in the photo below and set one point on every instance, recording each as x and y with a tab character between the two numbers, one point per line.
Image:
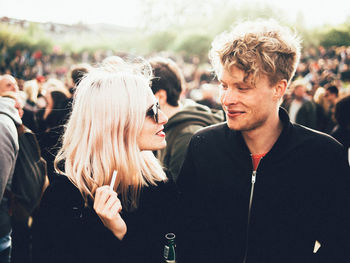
243	88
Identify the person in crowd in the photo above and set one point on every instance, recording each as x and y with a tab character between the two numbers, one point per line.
86	216
300	108
260	188
208	98
77	73
9	119
55	111
51	120
184	118
8	83
341	131
30	108
331	95
20	222
321	109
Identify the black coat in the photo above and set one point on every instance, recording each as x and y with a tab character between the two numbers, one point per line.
301	195
66	231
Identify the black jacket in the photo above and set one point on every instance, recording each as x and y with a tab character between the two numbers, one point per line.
301	194
66	231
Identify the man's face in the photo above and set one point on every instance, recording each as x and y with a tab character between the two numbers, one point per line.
330	97
300	92
8	83
247	107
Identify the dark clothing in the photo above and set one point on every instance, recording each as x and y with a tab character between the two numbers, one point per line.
306	115
322	118
179	130
66	231
5	255
29	115
50	143
301	194
343	136
331	122
50	132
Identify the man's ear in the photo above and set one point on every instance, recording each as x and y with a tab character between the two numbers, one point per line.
280	89
161	96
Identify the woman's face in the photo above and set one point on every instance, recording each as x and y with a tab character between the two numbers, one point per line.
152	136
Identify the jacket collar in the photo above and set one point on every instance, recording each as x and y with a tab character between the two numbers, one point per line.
240	148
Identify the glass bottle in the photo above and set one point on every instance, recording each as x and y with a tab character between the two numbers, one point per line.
169	252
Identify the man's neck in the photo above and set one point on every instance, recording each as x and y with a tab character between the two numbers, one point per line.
169	110
262	139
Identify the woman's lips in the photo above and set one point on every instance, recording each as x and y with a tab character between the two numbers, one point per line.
161	133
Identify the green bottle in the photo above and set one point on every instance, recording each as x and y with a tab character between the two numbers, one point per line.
169	248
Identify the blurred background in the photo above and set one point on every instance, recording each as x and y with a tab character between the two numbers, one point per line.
44	39
61	32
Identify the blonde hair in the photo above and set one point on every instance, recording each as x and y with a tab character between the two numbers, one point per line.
109	110
31	89
53	84
319	98
257	47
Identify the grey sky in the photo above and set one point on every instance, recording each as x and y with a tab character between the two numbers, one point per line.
128	12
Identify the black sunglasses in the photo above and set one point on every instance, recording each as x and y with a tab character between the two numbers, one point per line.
153	111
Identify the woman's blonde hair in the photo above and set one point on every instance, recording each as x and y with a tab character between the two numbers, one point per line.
31	89
109	109
257	47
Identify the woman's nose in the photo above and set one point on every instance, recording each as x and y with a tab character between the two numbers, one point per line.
162	118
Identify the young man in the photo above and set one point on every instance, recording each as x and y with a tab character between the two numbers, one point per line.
259	189
184	118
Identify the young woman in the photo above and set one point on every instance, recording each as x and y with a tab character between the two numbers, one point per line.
115	125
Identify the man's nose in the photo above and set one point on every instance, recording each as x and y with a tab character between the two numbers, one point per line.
230	96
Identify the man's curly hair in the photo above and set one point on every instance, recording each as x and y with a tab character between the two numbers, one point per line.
257	47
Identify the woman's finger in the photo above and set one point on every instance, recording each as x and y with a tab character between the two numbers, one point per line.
101	196
113	199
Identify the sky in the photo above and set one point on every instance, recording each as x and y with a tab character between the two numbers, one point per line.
128	12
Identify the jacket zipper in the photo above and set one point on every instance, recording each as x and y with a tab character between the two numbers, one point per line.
250	207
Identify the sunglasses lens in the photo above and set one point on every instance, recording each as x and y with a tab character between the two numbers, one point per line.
153	112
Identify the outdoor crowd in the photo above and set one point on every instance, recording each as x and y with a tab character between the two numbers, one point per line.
249	163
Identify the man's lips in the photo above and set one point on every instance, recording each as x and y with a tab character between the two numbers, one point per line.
234	113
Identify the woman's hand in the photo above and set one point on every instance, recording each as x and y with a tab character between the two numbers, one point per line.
108	207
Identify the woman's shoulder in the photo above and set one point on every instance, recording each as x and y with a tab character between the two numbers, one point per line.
161	186
62	192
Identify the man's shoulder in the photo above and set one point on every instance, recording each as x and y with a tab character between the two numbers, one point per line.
314	139
215	129
215	133
8	130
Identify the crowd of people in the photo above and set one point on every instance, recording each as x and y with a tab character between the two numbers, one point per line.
267	181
